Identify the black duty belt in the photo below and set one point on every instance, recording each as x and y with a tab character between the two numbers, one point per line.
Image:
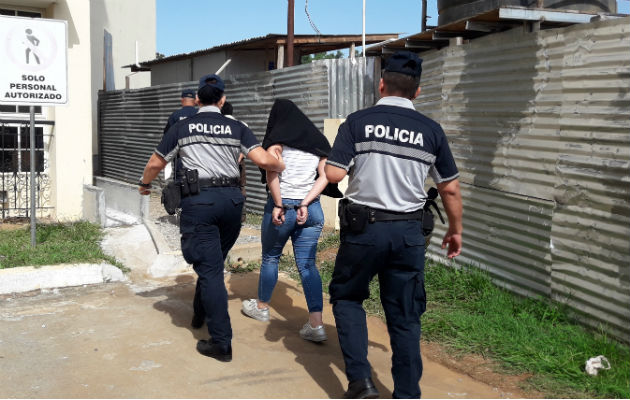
382	215
219	182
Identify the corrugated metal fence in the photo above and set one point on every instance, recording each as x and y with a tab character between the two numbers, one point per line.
131	121
538	123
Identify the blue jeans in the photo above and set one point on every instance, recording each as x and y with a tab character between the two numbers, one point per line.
304	239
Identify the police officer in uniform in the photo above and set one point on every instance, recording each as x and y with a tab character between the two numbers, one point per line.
208	145
388	151
188	109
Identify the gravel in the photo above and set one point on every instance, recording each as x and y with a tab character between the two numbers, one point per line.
168	225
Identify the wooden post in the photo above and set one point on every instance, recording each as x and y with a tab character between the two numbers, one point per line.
290	17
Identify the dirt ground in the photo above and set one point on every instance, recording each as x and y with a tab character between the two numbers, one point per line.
133	340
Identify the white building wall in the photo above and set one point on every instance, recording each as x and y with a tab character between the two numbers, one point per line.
70	151
126	22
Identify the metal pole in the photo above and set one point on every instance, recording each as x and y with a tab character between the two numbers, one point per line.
33	200
290	18
424	15
363	41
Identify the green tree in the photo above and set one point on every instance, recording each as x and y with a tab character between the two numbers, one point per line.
321	56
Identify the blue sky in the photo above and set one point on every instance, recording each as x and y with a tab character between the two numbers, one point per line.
180	22
189	25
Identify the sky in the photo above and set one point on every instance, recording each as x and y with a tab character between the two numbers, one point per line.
180	22
190	25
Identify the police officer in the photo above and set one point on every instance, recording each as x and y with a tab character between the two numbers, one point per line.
209	144
188	109
388	150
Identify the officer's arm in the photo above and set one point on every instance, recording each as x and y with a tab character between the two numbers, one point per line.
452	200
265	160
155	164
334	174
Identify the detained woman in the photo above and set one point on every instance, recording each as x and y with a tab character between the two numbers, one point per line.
293	211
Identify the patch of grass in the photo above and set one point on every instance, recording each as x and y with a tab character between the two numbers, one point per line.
467	313
55	244
328	240
241	268
253	219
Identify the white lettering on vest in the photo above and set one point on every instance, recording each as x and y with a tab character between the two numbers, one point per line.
213	129
400	135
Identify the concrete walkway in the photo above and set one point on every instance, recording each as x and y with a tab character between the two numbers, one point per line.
132	339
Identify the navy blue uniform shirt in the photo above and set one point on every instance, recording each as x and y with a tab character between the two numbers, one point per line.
178	115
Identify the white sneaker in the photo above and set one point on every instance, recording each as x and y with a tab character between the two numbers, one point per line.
250	308
317	334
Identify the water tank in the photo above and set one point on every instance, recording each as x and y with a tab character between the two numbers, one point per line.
455	10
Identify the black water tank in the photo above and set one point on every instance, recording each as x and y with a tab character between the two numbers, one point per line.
455	10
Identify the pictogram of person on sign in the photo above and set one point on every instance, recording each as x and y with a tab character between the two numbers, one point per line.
31	46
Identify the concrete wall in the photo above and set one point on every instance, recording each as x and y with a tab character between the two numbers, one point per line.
175	71
208	64
191	69
94	205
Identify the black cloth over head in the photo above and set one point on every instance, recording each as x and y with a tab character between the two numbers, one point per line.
288	125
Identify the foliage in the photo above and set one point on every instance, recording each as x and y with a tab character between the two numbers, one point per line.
320	56
468	313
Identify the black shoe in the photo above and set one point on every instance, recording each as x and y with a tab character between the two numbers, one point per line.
215	350
361	389
197	321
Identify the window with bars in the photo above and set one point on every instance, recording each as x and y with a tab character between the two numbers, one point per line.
15	146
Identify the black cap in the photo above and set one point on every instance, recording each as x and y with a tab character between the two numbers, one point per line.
404	62
188	93
204	81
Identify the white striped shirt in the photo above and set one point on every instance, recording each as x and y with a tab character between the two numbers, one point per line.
298	177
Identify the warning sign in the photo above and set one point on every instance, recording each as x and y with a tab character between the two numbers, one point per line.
34	67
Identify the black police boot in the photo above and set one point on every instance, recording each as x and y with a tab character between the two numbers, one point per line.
197	321
215	350
361	389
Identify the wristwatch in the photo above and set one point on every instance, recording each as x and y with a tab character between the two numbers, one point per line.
144	185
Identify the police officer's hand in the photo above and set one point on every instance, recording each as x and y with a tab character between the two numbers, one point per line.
454	243
302	214
276	151
277	216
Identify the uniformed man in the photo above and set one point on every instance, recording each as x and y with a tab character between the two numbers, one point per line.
209	144
388	150
188	109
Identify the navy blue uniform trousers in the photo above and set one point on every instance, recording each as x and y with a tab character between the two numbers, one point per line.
395	251
210	223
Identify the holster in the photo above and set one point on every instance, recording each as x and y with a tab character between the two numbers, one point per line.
189	183
353	217
428	219
171	196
